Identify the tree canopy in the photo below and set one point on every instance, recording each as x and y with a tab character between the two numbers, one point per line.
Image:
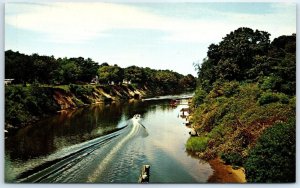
48	70
248	55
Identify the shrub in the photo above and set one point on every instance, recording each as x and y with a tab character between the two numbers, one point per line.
197	143
269	97
270	83
81	92
273	157
199	97
233	158
230	88
292	102
15	113
22	103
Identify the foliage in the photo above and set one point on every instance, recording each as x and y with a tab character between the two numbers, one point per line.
246	85
47	70
82	92
235	57
88	68
270	83
15	113
196	143
188	81
110	74
232	118
233	158
247	55
70	70
135	74
273	157
199	97
23	104
269	97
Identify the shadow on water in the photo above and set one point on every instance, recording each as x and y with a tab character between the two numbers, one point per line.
64	129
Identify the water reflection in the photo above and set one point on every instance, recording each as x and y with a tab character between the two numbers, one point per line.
67	128
72	127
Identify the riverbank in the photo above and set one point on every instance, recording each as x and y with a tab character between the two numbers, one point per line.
222	173
28	104
232	122
225	173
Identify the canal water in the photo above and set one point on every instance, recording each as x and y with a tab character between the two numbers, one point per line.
106	143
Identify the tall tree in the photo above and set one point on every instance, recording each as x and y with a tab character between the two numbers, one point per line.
235	57
71	71
111	73
134	74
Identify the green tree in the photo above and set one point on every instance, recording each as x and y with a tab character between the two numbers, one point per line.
71	71
18	66
187	82
88	68
166	79
236	57
135	74
111	73
282	60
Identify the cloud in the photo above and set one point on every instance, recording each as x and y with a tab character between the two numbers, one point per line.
80	22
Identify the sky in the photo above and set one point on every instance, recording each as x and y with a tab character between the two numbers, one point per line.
157	35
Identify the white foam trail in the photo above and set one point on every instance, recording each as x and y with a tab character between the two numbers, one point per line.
109	156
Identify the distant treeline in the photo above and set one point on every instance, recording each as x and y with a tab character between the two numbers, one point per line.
244	108
49	70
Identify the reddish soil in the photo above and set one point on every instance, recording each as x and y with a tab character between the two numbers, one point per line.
225	173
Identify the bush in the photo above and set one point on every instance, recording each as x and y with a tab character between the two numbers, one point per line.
81	92
292	102
269	97
23	103
199	97
273	157
230	88
14	113
270	83
197	143
233	158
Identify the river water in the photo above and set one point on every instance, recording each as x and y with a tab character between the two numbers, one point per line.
106	143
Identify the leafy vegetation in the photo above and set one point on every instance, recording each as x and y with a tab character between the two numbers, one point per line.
273	158
269	97
196	143
246	95
33	68
82	92
232	158
23	104
247	55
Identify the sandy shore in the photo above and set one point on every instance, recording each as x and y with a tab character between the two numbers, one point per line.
225	173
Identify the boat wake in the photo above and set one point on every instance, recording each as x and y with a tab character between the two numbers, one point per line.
85	162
